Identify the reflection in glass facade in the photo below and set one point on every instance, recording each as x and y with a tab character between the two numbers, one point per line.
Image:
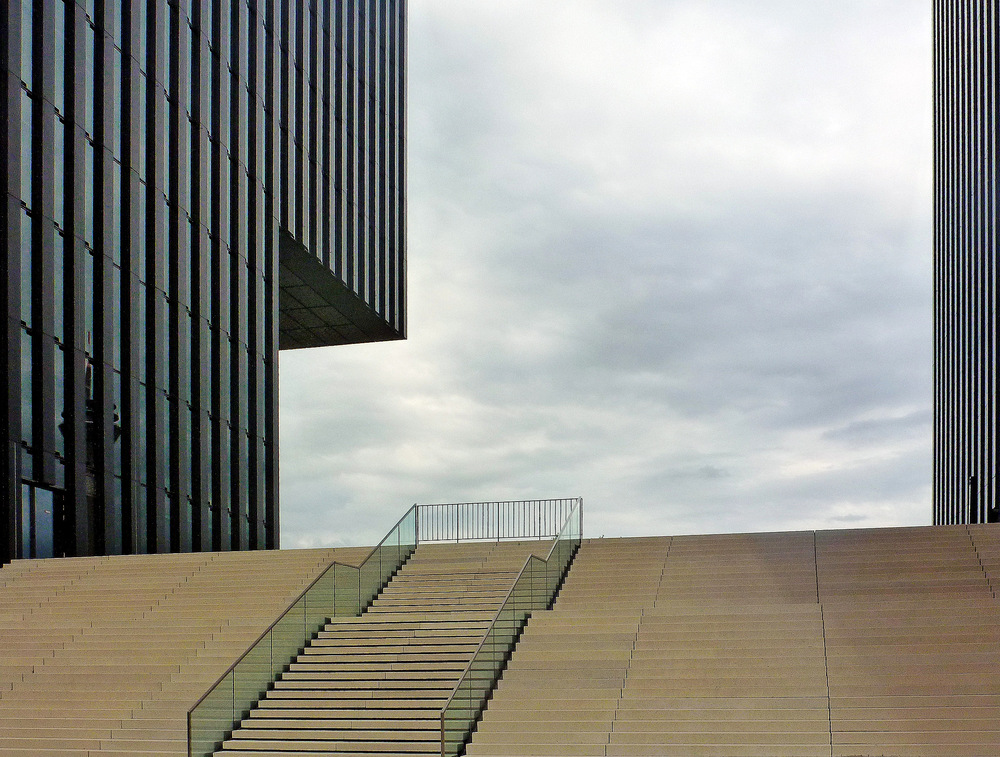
966	111
190	185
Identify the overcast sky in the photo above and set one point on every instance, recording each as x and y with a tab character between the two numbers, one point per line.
672	256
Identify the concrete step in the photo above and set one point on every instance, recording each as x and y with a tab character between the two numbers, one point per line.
376	683
733	644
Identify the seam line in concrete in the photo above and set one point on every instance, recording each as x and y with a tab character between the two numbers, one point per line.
621	694
816	565
979	558
826	672
663	572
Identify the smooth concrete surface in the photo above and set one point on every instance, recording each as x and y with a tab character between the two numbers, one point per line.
860	643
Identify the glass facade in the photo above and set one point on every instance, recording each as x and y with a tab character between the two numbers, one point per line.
190	185
966	111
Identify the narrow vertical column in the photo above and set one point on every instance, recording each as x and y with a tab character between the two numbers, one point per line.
130	289
10	272
399	185
370	156
312	53
269	242
339	139
382	286
107	230
74	524
237	273
201	281
157	520
363	114
255	252
297	52
350	149
325	90
42	243
179	255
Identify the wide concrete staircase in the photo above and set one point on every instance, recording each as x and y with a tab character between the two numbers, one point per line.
840	643
375	684
104	655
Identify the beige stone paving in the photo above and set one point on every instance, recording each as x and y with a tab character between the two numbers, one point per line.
105	655
839	643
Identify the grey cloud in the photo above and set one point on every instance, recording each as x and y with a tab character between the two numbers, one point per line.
697	295
916	424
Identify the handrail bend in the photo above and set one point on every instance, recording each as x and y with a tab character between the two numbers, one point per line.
534	588
340	590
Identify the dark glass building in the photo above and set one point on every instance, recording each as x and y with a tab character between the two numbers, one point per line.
966	111
190	186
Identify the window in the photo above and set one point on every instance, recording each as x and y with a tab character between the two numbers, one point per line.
26	42
58	290
27	141
59	185
37	521
60	57
27	389
27	270
88	299
90	54
60	398
88	194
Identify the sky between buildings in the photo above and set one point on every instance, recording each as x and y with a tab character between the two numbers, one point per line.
673	256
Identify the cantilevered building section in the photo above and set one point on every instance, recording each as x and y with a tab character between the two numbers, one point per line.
189	186
966	105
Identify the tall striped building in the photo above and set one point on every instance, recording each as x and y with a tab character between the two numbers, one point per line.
189	186
966	113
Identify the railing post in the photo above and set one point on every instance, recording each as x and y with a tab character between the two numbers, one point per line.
493	521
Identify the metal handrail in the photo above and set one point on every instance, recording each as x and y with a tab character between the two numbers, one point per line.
399	522
260	638
472	520
360	604
493	521
487	635
291	606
